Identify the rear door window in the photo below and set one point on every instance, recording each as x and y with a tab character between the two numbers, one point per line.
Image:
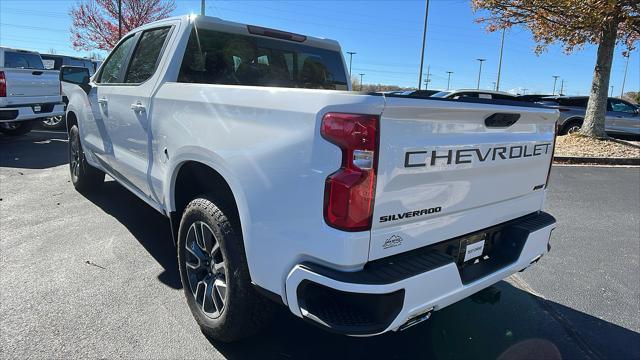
146	56
22	60
214	57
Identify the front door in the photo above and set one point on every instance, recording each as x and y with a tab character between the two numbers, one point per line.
622	117
124	90
97	131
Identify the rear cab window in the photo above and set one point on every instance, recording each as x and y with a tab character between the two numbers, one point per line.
22	60
214	57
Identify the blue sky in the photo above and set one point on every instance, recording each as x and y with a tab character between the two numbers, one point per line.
385	34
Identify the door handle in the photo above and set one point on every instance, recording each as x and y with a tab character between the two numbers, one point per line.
137	107
102	101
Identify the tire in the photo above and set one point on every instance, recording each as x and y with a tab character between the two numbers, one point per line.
571	127
84	177
54	123
214	273
16	128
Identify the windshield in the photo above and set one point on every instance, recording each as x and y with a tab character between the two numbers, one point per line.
22	60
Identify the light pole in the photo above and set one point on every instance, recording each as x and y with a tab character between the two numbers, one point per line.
202	7
494	85
428	79
624	79
361	75
500	61
449	78
555	79
351	53
524	91
611	93
561	87
480	71
424	39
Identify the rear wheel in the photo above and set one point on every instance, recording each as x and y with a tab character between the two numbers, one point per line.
53	122
16	128
85	178
215	276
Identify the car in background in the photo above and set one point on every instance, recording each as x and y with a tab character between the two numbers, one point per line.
475	93
622	117
55	62
27	91
419	93
533	97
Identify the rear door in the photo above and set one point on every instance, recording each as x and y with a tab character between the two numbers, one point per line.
447	168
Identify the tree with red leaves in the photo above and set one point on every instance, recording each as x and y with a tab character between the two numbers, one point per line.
95	22
573	23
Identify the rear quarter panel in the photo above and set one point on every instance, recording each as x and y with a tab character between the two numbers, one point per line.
267	145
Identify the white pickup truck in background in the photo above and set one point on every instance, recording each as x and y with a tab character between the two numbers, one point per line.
27	91
360	212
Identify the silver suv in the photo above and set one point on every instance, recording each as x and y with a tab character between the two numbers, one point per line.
622	117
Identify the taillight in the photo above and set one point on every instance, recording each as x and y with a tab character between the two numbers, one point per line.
3	85
349	192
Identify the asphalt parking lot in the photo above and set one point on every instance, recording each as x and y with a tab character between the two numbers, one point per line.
96	277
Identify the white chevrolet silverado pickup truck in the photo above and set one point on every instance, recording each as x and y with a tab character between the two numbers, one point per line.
27	91
360	212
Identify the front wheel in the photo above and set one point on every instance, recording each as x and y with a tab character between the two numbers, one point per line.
16	128
571	127
215	276
85	178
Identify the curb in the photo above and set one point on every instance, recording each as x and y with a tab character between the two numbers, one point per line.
625	142
596	160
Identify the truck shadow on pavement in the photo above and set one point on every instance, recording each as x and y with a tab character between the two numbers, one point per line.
520	326
36	150
150	228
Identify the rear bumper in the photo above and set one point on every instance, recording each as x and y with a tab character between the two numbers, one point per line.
27	112
388	294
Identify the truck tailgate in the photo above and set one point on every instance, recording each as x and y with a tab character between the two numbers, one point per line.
448	168
31	83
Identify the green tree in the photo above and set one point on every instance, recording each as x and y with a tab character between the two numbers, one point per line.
573	23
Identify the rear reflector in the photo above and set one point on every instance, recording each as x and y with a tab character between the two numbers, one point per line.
258	30
349	192
3	85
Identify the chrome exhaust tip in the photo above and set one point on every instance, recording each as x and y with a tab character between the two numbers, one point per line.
416	319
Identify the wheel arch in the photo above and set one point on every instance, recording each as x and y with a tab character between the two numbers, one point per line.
71	119
195	176
568	122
